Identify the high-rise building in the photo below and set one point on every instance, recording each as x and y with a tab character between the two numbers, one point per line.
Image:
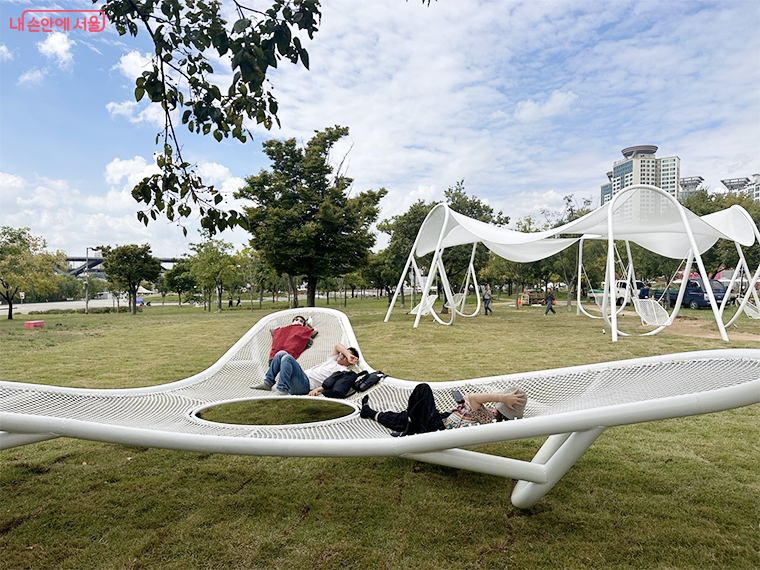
690	185
744	185
639	165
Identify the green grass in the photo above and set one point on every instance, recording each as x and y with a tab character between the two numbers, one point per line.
681	493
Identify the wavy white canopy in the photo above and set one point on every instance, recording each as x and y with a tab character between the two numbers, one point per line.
643	216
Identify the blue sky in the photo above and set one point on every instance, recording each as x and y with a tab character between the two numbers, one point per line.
526	101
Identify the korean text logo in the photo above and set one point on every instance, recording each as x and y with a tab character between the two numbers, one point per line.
60	20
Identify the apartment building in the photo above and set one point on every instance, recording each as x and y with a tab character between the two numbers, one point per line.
639	165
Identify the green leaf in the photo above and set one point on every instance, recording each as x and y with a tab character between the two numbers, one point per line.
240	25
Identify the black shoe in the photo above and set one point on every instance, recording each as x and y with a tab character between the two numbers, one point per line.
367	412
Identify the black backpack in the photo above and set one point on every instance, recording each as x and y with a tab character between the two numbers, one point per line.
366	380
339	384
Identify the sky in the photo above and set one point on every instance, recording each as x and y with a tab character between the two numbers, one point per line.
525	101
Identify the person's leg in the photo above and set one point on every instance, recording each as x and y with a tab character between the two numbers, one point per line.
292	379
396	421
423	415
272	372
274	367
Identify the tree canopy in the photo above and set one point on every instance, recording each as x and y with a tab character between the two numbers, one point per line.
127	266
303	219
403	231
25	266
212	267
179	278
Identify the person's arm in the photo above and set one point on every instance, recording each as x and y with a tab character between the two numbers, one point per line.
515	398
316	391
340	349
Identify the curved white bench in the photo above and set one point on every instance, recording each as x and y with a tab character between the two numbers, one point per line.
571	405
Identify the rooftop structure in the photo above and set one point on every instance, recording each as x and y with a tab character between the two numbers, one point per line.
751	186
690	184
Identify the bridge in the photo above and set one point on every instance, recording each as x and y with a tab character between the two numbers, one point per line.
93	266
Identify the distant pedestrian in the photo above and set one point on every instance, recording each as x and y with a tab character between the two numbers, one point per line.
238	302
549	301
487	299
229	304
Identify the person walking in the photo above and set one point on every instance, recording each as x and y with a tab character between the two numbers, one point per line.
549	301
487	299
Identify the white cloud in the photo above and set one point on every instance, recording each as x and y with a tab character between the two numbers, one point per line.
124	109
526	101
558	103
152	113
5	53
133	64
57	46
32	77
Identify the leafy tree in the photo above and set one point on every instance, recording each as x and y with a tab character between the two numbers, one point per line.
382	273
127	266
179	278
25	266
723	254
457	259
191	40
498	272
404	228
69	287
566	262
188	37
212	267
303	221
162	287
255	273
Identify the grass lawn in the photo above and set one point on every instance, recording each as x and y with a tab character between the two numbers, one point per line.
676	494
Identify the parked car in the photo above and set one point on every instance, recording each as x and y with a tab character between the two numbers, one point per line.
695	296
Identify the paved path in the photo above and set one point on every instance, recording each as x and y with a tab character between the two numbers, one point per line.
24	309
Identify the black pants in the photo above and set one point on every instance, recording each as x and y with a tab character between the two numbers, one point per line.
420	416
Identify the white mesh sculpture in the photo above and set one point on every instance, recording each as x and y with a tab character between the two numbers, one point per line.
572	406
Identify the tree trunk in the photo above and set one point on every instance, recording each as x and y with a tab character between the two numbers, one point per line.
311	290
293	291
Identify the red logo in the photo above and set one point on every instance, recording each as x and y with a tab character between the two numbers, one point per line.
60	20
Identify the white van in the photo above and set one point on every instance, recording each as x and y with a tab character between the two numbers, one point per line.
620	289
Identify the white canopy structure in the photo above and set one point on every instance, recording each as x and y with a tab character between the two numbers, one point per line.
642	214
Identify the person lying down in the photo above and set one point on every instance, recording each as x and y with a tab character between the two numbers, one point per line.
422	416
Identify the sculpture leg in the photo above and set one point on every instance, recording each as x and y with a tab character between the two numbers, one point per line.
558	454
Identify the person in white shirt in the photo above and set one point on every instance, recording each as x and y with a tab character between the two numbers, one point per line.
285	376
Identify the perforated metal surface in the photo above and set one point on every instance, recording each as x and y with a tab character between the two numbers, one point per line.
171	408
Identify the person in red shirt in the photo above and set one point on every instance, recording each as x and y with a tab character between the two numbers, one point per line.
293	339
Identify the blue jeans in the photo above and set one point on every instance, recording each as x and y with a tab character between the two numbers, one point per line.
292	379
487	305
